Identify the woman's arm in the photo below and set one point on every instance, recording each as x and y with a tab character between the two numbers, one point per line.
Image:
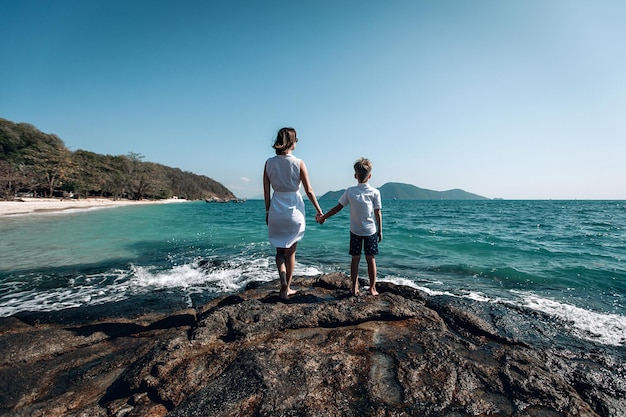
266	191
304	177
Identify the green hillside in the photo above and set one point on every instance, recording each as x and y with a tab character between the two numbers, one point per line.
39	164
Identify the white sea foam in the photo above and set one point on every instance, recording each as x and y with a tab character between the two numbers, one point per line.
63	212
409	283
222	277
59	299
182	276
307	271
609	329
190	278
74	210
399	281
233	276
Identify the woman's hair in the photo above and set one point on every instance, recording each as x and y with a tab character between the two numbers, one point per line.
285	139
363	168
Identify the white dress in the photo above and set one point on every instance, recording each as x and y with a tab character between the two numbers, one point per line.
286	221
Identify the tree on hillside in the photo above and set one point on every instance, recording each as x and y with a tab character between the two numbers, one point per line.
53	163
7	179
138	175
119	177
37	163
10	142
93	174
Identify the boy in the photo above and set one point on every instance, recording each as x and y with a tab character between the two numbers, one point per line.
366	222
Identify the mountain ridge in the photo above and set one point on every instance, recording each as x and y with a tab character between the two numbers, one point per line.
402	191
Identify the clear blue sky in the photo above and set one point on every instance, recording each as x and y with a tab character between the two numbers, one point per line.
511	99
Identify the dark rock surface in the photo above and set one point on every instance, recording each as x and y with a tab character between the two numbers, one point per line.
322	353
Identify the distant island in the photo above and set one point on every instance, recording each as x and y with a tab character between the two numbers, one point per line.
37	164
399	191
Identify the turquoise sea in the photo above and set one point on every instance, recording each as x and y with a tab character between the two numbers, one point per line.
564	259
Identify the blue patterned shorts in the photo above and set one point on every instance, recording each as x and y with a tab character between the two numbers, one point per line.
356	244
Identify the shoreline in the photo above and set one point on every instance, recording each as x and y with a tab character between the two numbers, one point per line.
398	353
27	206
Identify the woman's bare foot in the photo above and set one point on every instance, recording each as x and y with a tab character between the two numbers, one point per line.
284	287
283	294
373	291
286	292
355	289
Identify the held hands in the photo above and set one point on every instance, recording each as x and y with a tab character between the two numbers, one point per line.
319	217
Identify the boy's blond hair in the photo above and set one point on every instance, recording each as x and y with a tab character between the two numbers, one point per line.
362	169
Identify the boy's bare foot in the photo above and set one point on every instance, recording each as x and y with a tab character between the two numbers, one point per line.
373	291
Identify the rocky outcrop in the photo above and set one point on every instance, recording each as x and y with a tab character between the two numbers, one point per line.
322	353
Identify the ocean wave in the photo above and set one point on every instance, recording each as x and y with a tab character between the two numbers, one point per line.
58	212
78	294
213	277
604	328
608	329
206	277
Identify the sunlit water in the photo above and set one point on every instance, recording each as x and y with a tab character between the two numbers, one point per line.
564	258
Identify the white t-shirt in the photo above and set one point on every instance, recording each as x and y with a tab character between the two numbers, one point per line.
363	200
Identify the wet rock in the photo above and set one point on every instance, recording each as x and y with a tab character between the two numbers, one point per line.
321	353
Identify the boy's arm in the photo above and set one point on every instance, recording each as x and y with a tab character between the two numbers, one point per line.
330	213
378	213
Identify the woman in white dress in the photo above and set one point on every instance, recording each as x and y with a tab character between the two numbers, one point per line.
284	209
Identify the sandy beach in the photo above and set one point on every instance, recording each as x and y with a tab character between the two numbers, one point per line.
42	205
